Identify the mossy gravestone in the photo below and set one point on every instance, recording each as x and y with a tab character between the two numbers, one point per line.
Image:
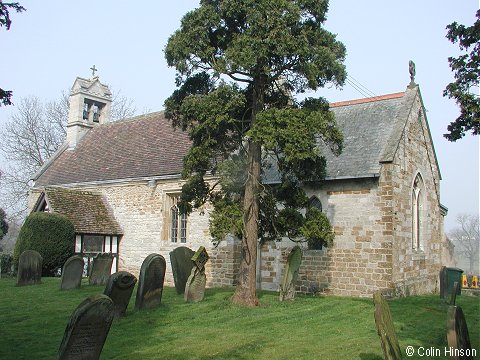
87	330
457	334
196	282
119	288
287	287
385	328
150	284
72	273
101	269
29	268
182	264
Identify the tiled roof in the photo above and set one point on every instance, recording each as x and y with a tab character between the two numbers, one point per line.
143	146
89	212
148	146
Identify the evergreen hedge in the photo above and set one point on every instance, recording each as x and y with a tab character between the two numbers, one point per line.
52	235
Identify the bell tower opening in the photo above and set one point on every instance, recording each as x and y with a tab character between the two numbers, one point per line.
90	102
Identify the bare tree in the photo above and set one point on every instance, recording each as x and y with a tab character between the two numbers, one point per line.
33	134
466	239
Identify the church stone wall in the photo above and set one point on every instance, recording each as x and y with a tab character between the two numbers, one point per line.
360	261
140	210
415	271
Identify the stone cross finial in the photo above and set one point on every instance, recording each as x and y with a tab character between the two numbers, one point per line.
411	70
94	69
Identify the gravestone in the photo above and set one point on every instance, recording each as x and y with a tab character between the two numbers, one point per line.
72	273
182	264
287	287
453	295
459	346
196	282
385	328
150	284
87	329
101	269
29	268
119	288
443	282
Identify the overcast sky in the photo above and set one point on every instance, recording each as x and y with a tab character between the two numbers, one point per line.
55	41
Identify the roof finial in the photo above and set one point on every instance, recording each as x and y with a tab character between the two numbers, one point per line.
94	69
411	70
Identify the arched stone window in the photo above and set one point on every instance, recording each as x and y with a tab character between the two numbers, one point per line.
418	194
314	202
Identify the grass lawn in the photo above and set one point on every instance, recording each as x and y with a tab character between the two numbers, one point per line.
33	320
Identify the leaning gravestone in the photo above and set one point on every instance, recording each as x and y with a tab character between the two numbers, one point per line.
182	264
72	273
453	295
87	330
457	334
150	284
119	288
287	287
101	269
385	328
29	268
196	282
443	282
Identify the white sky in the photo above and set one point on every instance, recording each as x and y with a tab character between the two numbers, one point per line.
54	41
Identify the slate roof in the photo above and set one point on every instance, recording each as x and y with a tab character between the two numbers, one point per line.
89	212
143	146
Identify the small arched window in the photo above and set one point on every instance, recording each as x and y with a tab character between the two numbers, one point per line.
418	193
314	202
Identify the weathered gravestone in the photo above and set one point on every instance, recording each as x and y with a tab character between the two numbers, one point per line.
196	282
101	269
459	346
29	268
453	295
287	287
87	330
150	284
72	273
385	328
182	264
443	282
119	288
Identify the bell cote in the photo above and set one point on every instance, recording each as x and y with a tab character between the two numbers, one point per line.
90	102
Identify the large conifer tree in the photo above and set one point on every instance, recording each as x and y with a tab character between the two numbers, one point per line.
239	65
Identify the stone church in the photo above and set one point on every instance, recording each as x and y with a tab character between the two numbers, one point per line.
119	183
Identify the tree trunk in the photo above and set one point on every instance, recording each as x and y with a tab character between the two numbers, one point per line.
246	291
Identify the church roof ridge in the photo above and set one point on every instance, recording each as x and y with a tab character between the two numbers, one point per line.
367	100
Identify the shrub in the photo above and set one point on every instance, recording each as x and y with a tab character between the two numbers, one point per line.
6	263
52	235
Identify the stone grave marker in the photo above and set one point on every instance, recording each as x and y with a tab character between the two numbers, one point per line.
287	287
119	288
101	269
196	282
150	284
443	282
87	329
458	339
453	295
385	328
29	268
182	264
72	273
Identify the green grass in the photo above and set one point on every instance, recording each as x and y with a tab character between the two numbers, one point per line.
33	320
